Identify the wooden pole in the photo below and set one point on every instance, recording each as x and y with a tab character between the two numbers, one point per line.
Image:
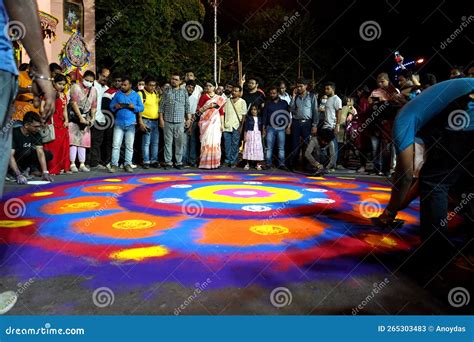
239	63
220	68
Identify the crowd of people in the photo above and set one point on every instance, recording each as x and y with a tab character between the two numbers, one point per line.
102	122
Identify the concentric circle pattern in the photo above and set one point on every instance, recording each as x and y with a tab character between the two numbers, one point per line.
237	227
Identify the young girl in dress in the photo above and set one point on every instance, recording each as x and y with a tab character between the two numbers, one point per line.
59	147
253	149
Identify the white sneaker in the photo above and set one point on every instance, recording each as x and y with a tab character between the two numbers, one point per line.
74	168
133	166
361	169
7	301
84	168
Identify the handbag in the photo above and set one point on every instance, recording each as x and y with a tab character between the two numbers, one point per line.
71	114
47	132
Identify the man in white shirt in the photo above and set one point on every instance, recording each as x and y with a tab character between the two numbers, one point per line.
102	122
191	138
282	93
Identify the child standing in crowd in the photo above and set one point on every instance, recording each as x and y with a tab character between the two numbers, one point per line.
253	149
59	147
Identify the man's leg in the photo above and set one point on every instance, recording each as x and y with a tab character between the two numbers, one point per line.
97	137
146	138
9	84
117	144
178	142
235	146
169	139
296	132
107	146
270	138
281	136
155	138
194	143
129	140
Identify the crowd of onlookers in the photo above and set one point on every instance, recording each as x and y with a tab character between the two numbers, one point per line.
104	122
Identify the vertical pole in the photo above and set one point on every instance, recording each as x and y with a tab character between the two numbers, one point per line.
215	42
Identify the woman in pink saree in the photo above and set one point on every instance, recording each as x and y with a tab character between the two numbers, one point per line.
210	108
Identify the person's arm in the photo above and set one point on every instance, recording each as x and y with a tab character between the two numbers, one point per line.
66	117
93	106
314	115
26	12
138	107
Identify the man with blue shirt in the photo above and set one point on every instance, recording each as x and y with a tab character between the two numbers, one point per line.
276	122
443	117
26	13
126	104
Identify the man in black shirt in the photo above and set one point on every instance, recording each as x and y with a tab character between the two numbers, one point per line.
27	150
253	96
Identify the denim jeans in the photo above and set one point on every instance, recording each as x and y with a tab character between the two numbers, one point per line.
9	84
150	138
448	163
232	142
194	143
119	132
272	135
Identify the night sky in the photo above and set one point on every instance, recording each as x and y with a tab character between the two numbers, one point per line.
417	29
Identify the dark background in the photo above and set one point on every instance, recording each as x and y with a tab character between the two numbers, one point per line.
415	28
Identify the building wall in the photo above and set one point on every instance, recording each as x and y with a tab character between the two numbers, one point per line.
55	8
